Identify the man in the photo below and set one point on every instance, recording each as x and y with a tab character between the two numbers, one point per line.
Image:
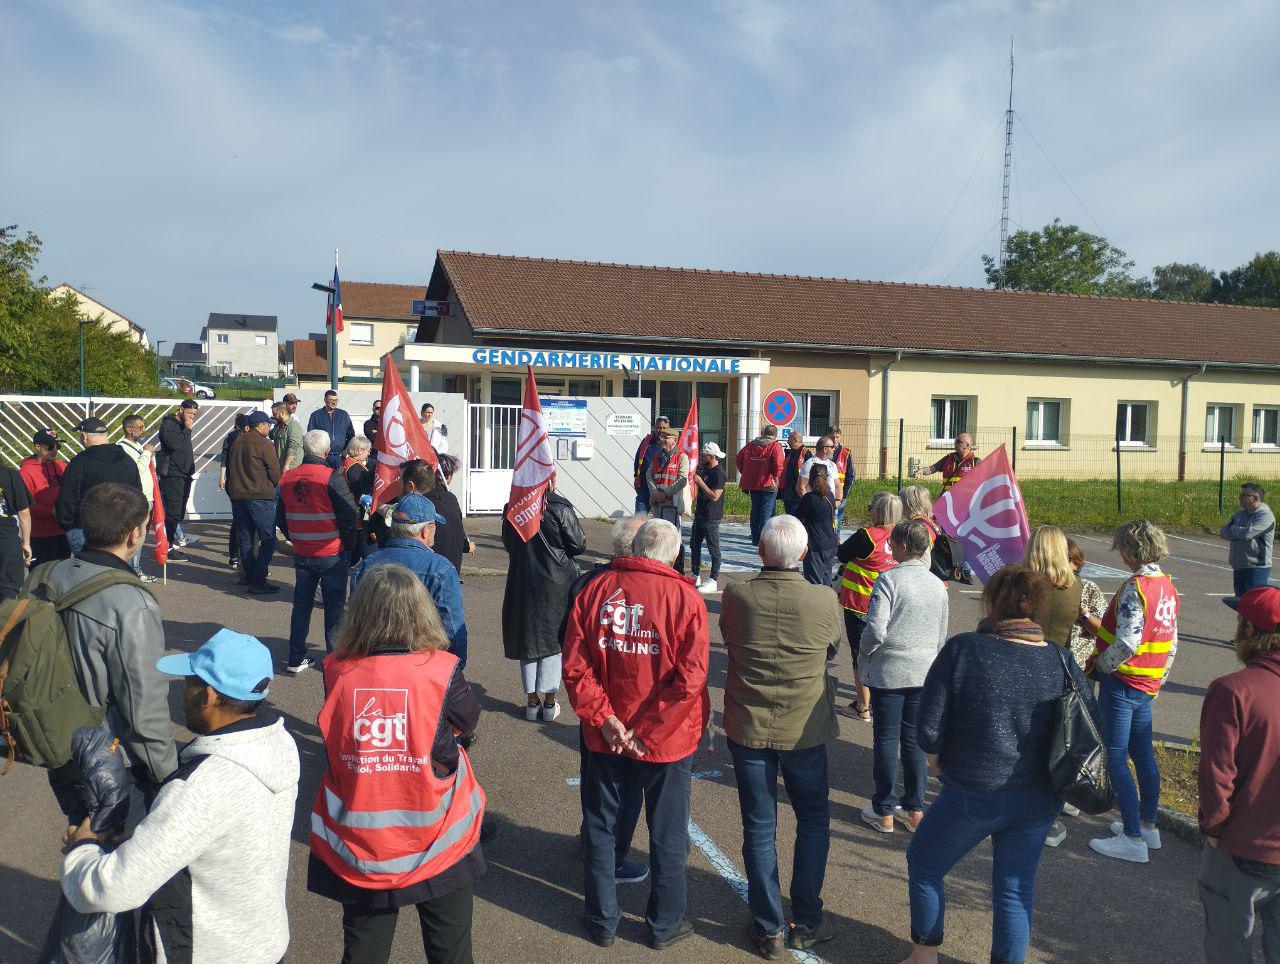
98	461
1239	785
843	459
415	476
238	428
636	647
779	713
708	510
822	455
796	455
645	453
209	863
176	467
954	466
292	401
142	455
437	434
316	512
413	530
337	423
1251	532
759	473
42	474
373	424
667	475
252	475
287	436
15	532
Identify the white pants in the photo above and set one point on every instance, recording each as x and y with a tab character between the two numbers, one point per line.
541	675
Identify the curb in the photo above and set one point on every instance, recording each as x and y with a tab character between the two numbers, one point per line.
1180	825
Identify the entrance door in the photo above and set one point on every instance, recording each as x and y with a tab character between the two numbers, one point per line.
491	457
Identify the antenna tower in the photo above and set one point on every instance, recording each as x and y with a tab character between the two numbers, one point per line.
1008	165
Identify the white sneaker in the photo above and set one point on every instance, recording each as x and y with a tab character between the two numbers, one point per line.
708	587
549	713
533	712
1070	811
1122	848
1151	837
1057	834
297	668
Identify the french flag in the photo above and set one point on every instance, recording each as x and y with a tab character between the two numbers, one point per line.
335	304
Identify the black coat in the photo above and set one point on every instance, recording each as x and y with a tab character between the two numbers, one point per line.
175	456
92	466
539	575
451	538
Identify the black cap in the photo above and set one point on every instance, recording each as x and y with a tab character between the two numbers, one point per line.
46	436
92	426
189	403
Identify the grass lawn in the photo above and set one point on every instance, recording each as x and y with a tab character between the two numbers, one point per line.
1178	769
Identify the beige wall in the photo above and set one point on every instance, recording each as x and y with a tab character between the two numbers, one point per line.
114	321
368	358
814	371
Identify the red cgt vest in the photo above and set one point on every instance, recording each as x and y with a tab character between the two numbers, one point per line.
1145	670
954	469
860	575
308	511
382	819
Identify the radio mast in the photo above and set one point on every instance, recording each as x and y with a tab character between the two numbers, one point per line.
1008	165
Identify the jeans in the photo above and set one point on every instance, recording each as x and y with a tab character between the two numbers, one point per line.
255	516
1246	579
804	774
446	930
1238	895
790	504
628	811
708	529
671	513
174	492
75	539
330	574
893	728
642	500
607	781
541	675
839	516
1126	730
1017	820
763	503
136	562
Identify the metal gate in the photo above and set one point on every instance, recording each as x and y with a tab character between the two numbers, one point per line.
22	415
491	456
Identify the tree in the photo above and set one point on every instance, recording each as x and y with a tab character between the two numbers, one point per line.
1065	259
1181	282
40	334
1256	283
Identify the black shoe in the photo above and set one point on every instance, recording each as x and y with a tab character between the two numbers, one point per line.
261	588
801	938
683	929
770	946
595	937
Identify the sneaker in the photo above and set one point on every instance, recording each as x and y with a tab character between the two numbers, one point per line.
146	578
1122	848
683	929
233	562
1070	811
1057	834
801	938
296	668
1150	835
696	580
631	872
261	588
708	587
875	821
910	820
183	542
550	711
533	712
769	946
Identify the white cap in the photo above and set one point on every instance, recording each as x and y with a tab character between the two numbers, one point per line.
712	449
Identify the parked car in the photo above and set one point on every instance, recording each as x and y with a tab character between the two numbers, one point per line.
187	387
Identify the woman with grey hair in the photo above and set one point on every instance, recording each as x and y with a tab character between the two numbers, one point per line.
917	504
360	482
452	541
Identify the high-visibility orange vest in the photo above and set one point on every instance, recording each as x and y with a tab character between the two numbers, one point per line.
382	819
859	575
1146	669
841	459
308	511
954	469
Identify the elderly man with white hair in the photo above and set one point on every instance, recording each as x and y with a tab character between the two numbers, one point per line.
779	713
317	513
636	647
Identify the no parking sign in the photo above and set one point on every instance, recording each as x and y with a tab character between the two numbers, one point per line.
780	407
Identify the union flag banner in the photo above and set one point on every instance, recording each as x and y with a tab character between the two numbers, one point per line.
157	519
985	512
534	469
689	438
400	436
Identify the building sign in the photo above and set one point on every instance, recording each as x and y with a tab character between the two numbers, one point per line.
429	309
625	423
565	416
611	361
780	407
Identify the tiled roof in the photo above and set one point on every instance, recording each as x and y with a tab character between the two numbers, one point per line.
310	357
372	299
681	305
228	322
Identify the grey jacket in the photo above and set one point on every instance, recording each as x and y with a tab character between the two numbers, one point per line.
116	637
1251	535
906	626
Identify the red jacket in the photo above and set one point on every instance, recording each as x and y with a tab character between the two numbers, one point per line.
636	646
1240	761
43	481
760	465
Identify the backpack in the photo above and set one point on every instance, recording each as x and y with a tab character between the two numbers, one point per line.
41	703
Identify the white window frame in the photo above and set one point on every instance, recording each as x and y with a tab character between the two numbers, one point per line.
364	326
1214	410
1136	443
1255	443
810	432
948	423
260	340
1041	442
221	338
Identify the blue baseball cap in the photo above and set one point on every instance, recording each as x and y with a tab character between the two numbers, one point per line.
415	508
235	664
257	418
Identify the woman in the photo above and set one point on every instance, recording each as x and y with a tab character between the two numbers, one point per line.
451	538
1092	605
437	434
865	555
360	482
795	457
1136	644
394	696
906	626
917	504
816	510
1046	553
986	720
539	576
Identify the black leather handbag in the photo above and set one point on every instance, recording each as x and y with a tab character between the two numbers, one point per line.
1077	755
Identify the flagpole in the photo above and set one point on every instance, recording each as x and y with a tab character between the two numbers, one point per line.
333	333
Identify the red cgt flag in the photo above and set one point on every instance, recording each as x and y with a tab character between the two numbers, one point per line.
534	469
689	439
400	436
157	519
985	512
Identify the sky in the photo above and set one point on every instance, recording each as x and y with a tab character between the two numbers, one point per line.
180	158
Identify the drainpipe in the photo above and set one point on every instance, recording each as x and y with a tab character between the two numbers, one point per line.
1182	428
884	415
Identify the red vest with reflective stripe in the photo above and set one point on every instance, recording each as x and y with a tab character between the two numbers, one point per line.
1146	669
859	575
308	511
954	469
382	819
841	459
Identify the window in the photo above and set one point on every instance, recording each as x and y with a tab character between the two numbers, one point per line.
361	334
1131	423
222	339
815	413
1220	425
1266	427
950	418
260	340
411	333
1044	421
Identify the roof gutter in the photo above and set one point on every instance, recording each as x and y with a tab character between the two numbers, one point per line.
1182	425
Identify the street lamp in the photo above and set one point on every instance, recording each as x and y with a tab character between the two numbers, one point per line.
159	342
333	335
82	322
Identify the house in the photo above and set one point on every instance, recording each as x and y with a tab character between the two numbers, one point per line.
242	344
376	319
307	359
188	359
112	319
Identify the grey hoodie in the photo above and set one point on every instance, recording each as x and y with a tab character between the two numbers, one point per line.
211	859
1251	535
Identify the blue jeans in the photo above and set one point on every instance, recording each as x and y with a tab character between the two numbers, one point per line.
762	506
642	501
1246	579
330	574
608	780
1126	730
255	516
804	773
1017	821
75	539
893	726
624	829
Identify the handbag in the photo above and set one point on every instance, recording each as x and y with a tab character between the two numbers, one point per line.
1077	755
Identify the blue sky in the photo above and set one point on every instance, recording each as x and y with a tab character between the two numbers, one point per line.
181	158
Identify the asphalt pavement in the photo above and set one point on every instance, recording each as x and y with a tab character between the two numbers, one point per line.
529	903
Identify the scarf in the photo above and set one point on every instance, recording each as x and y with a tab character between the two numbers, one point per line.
1022	630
